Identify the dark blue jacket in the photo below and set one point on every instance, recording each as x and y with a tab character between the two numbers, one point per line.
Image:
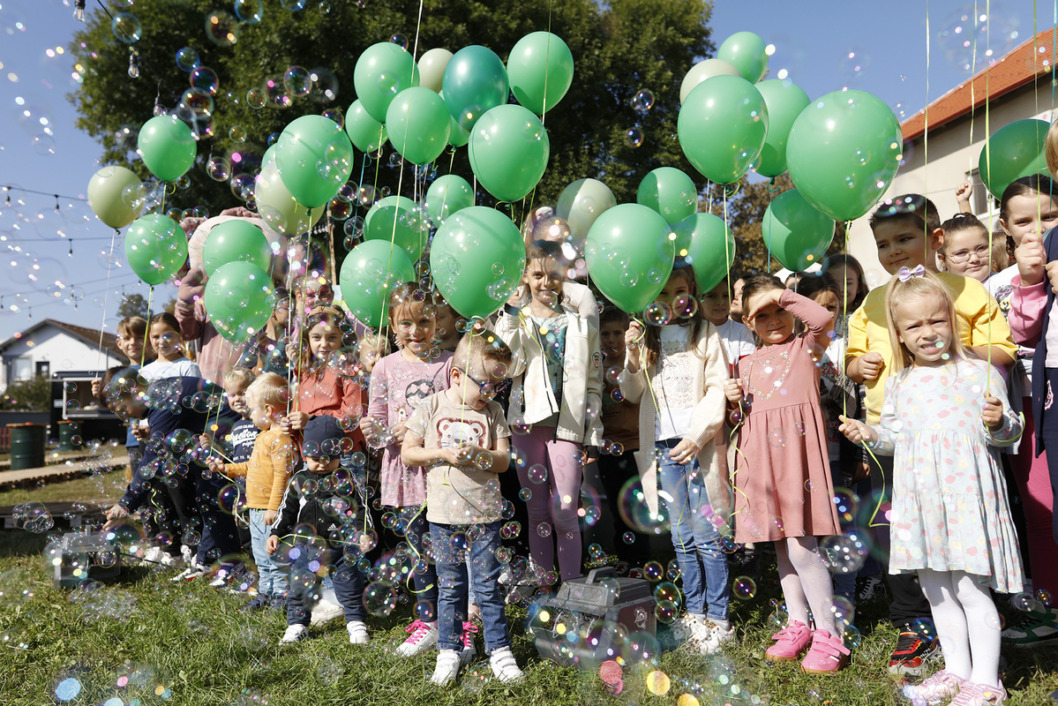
1039	359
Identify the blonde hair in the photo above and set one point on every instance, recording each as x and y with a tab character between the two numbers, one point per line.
270	389
488	348
238	376
1051	148
926	285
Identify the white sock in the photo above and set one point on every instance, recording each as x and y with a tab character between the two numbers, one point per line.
949	617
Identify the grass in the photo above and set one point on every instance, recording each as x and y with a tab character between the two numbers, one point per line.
149	639
89	488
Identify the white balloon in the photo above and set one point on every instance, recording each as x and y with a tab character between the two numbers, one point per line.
581	203
703	70
432	65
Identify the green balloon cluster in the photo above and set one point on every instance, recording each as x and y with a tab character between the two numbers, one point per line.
1013	151
156	248
477	259
369	275
447	194
314	158
540	68
398	220
107	196
722	127
795	233
670	192
705	241
239	298
167	146
630	250
383	71
236	241
843	152
509	149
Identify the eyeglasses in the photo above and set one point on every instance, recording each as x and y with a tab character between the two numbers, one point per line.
487	390
960	256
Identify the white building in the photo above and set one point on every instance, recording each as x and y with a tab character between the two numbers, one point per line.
57	350
943	142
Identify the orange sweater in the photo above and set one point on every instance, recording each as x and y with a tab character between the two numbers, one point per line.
268	470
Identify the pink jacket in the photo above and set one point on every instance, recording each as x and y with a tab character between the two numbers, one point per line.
1027	312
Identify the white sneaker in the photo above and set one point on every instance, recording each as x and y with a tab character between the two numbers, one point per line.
357	632
422	637
155	555
190	573
715	635
222	578
188	554
447	668
294	633
326	611
172	562
504	667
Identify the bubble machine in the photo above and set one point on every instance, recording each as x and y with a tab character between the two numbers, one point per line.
81	556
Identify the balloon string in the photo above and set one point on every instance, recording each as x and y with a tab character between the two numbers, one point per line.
925	154
147	333
106	295
547	64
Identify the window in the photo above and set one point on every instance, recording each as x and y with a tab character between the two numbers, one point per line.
43	368
21	369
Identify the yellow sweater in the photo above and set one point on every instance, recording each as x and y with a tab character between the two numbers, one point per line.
268	471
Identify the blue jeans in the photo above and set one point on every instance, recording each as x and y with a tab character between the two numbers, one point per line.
424	576
452	547
349	585
696	540
270	580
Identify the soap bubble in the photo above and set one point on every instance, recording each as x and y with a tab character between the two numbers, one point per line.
126	27
537	473
634	137
665	611
249	11
205	79
643	100
222	28
744	588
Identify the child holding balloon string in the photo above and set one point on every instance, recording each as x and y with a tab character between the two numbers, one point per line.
676	372
944	414
784	492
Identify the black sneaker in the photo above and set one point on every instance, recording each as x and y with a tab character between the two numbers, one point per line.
1031	628
868	588
913	649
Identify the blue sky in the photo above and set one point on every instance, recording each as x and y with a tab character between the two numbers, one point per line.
821	45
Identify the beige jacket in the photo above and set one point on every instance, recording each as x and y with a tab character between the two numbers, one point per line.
706	421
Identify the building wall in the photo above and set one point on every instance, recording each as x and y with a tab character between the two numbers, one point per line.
63	353
953	152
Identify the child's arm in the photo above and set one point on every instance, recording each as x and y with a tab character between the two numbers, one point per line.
882	438
593	431
378	399
989	330
281	456
861	364
815	318
288	512
413	454
511	327
633	381
1002	427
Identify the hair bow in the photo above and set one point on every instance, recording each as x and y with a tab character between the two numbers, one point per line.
905	274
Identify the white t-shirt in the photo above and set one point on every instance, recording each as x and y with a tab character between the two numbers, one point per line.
161	369
738	341
673	383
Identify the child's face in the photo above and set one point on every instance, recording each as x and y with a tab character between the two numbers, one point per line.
716	304
901	243
315	293
263	415
236	393
414	329
736	298
922	324
612	339
132	346
125	398
165	341
281	313
846	278
476	388
544	278
446	325
966	253
1037	213
322	465
829	301
677	286
324	338
370	352
772	323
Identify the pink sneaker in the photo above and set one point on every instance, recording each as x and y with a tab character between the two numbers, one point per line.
790	642
979	695
421	637
937	689
469	652
827	655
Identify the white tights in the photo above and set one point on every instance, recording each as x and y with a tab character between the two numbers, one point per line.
967	624
805	582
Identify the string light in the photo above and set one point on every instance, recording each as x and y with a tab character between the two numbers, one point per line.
78	10
57	209
134	63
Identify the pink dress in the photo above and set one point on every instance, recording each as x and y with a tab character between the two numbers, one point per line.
782	475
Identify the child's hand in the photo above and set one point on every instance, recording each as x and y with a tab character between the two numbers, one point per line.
1052	275
856	431
764	299
141	430
399	429
271	544
115	515
295	421
368	426
685	452
633	336
270	516
962	197
871	365
992	412
97	387
1032	259
215	464
733	390
452	456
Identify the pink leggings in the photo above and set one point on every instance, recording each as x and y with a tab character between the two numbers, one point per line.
553	506
1034	486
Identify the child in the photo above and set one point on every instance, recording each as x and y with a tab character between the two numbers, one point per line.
966	250
558	391
373	347
266	474
951	522
167	344
1028	210
307	501
447	326
737	283
783	488
460	434
716	308
132	333
907	232
399	384
244	432
848	273
684	365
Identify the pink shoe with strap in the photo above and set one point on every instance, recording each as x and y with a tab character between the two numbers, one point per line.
980	695
937	689
469	652
790	642
421	637
827	655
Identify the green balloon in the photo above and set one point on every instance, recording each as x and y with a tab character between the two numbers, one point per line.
167	146
795	233
509	149
458	136
418	124
277	207
368	276
705	241
239	300
630	250
843	152
670	192
448	194
747	53
475	81
722	126
366	133
106	196
540	67
398	220
1013	151
477	259
233	241
314	158
155	247
382	71
785	101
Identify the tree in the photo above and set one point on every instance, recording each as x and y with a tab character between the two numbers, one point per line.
33	395
619	48
136	305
